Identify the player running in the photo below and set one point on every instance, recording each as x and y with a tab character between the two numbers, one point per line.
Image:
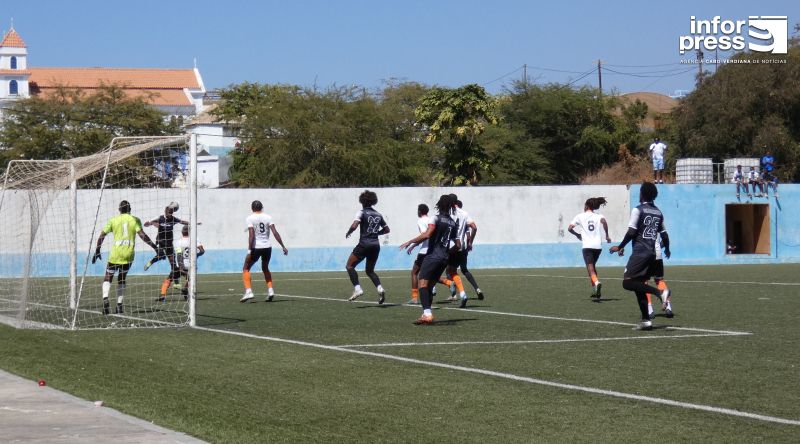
183	254
422	224
658	276
259	246
442	230
593	228
646	223
372	224
125	228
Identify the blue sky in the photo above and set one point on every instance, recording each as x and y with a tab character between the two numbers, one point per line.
448	43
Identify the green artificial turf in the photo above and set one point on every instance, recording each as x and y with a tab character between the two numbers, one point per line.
237	388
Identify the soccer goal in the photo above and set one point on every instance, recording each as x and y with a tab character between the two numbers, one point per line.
51	214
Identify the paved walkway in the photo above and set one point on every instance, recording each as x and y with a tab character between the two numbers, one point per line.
33	414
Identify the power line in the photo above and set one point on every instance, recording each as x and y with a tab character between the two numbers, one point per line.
504	76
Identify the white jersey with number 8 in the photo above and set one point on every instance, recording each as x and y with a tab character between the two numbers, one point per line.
592	232
260	223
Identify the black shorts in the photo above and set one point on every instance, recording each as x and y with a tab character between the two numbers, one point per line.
260	253
432	268
368	251
459	258
121	268
657	269
640	267
419	259
590	255
165	249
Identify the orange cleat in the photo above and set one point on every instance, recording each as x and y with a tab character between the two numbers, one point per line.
424	320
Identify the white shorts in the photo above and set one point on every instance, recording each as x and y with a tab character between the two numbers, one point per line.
658	163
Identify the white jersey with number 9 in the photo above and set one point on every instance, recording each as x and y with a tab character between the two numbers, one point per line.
260	223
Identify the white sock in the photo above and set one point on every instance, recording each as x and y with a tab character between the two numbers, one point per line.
358	288
427	312
380	288
669	306
649	308
106	289
120	292
270	291
463	295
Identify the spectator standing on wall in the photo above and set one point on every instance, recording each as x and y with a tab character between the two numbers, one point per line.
767	161
657	150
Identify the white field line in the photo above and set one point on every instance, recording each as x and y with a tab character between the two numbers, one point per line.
504	313
595	391
537	341
100	313
687	281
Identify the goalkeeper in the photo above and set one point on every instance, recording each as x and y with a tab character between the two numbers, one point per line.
125	227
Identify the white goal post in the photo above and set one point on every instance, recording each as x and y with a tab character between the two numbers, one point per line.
52	213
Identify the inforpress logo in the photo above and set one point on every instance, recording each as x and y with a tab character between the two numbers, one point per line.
766	34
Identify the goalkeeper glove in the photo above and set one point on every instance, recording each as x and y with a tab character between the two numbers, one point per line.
96	256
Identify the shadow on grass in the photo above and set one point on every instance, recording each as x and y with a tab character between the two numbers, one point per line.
379	306
208	321
447	322
597	301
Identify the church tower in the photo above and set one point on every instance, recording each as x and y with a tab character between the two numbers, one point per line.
14	71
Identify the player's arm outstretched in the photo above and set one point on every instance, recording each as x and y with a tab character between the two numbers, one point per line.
419	239
278	238
146	240
629	236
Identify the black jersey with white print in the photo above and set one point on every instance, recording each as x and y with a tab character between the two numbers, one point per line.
445	231
648	221
370	224
166	225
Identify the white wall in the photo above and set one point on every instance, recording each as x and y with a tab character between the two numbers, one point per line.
314	218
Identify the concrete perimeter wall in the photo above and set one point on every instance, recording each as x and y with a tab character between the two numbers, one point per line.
518	227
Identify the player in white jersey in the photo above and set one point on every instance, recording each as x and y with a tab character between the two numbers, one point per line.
593	228
259	246
183	254
422	225
459	258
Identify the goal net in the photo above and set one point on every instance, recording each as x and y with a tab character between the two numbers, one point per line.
52	213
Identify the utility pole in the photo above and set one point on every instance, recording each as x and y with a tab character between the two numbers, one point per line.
525	74
699	66
599	76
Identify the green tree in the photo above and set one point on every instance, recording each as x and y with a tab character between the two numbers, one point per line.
298	137
71	123
568	132
455	118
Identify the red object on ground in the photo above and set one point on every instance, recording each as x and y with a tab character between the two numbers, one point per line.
42	383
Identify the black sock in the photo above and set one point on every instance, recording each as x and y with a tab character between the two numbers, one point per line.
425	298
353	276
641	298
469	277
374	277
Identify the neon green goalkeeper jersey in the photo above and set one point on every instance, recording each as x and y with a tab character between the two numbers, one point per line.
124	228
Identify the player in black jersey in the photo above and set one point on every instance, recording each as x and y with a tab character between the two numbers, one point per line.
644	228
164	240
442	230
372	225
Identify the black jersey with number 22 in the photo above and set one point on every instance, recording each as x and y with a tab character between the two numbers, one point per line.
371	223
